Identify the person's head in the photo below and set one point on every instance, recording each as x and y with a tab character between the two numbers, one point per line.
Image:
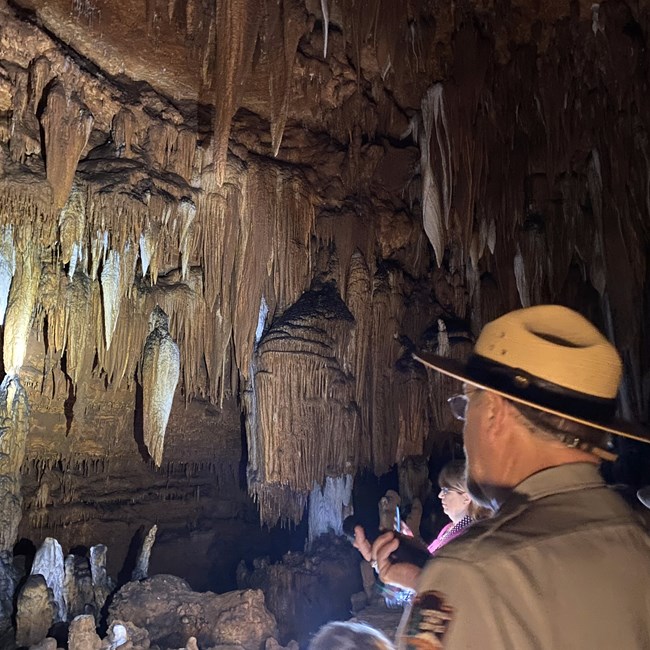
453	494
540	390
340	635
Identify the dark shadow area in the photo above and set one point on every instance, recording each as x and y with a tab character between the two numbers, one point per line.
138	423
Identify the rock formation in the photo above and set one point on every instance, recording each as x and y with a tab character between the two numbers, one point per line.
309	191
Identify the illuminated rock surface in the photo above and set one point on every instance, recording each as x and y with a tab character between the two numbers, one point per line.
309	190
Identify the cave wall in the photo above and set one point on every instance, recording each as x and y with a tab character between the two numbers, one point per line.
309	191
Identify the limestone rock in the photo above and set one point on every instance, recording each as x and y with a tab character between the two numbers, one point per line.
82	634
124	634
171	613
8	581
78	588
45	644
307	589
36	611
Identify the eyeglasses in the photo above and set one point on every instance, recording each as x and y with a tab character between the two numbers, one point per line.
458	404
444	491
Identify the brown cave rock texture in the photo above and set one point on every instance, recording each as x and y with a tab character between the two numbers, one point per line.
225	225
171	612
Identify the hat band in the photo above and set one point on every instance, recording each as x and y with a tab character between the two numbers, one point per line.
537	391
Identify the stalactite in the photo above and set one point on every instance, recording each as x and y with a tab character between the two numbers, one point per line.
7	267
148	247
122	132
411	399
22	302
79	342
359	355
522	281
111	295
160	370
326	24
252	262
187	215
293	228
238	22
191	323
299	361
67	124
72	223
99	248
24	129
436	170
284	24
387	310
122	359
14	425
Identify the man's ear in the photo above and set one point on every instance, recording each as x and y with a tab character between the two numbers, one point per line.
496	410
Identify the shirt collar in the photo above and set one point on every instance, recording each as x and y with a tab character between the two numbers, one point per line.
557	480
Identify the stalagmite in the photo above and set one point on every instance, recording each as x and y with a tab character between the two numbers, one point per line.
9	577
141	569
82	635
160	372
35	611
102	584
48	562
111	297
329	505
7	267
78	589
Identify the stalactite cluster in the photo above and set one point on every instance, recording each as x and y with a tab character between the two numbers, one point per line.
309	191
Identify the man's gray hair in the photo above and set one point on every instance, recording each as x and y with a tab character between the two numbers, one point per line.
571	433
347	635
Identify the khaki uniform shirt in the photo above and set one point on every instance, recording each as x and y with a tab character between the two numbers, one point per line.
565	565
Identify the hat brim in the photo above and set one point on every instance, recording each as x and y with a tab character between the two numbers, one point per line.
458	370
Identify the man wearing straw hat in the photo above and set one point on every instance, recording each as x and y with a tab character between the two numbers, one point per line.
564	564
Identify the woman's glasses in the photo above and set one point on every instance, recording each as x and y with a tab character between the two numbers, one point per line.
444	491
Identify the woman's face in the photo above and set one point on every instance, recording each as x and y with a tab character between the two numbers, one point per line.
454	503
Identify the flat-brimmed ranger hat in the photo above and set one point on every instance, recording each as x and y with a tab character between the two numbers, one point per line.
550	358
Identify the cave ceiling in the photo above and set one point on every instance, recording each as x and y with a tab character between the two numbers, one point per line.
249	213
